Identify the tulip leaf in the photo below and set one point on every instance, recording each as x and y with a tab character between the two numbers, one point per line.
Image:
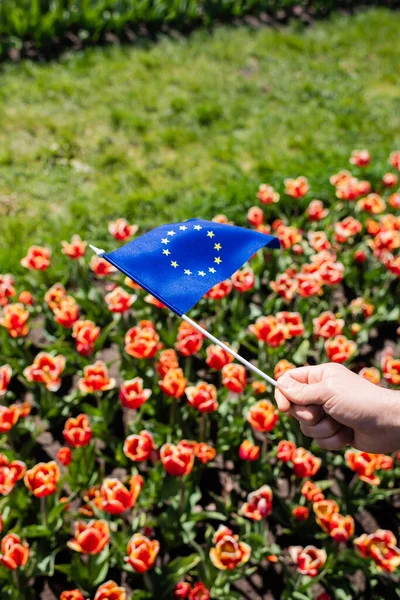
33	531
301	354
46	565
206	515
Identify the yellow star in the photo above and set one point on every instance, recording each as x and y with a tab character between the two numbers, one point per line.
174	264
218	260
217	246
210	234
211	269
166	252
188	272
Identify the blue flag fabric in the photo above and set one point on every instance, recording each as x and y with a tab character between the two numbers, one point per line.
179	263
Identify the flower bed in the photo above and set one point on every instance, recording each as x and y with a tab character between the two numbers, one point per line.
139	461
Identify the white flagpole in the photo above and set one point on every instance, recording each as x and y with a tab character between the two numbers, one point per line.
246	363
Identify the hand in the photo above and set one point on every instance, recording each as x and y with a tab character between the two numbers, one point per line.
336	407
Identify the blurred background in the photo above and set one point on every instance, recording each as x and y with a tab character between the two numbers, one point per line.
164	110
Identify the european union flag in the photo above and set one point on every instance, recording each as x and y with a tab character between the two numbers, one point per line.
179	263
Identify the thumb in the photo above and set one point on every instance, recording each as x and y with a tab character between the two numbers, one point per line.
301	393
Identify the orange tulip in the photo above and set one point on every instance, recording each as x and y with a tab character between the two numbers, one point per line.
285	450
340	349
347	229
110	591
67	312
219	291
7	289
77	431
74	249
228	552
217	357
119	301
243	280
189	340
267	195
182	590
268	330
72	595
255	216
360	158
394	199
101	267
324	510
296	188
174	383
37	259
370	374
142	341
199	592
10	473
391	370
46	369
285	285
5	378
42	479
203	397
292	322
312	492
373	204
132	395
139	447
248	451
121	230
14	319
234	378
262	416
116	498
259	387
9	416
316	211
309	284
381	547
204	452
54	295
167	360
85	333
364	464
300	513
91	537
309	560
281	367
64	456
142	552
95	379
258	505
327	325
177	459
341	528
305	464
14	552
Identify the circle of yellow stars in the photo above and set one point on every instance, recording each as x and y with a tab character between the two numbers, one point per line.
175	265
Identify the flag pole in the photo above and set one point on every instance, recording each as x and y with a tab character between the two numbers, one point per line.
246	363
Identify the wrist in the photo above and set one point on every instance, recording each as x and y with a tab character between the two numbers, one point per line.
390	418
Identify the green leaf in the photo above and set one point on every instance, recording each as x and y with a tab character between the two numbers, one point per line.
206	515
46	565
301	354
35	531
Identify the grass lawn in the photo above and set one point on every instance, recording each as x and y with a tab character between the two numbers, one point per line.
189	127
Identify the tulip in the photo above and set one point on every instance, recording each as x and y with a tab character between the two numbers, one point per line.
268	330
95	379
309	284
9	416
7	289
327	325
64	456
203	397
394	159
199	592
177	460
217	357
90	538
67	312
258	505
346	229
312	492
309	560
248	451
243	280
289	237
370	374
101	267
174	383
189	340
305	464
255	216
72	595
139	447
390	180
292	322
259	387
142	341
121	230
14	319
42	479
10	473
341	528
381	547
204	452
228	552
364	464
132	395
262	416
167	360
110	591
182	590
37	259
296	188
285	285
154	301
74	249
394	200
116	498
360	158
234	378
391	370
219	291
360	257
300	513
14	552
281	367
267	195
285	450
77	431
142	552
340	349
119	301
85	333
324	511
316	211
46	369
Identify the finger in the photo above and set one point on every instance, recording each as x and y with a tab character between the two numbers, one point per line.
309	374
310	415
337	441
301	393
282	402
326	428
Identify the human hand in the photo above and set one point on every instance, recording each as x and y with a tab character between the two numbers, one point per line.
336	407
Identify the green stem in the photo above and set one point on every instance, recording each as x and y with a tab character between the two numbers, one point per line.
181	495
264	447
148	582
43	510
202	426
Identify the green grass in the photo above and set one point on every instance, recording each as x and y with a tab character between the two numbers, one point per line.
189	127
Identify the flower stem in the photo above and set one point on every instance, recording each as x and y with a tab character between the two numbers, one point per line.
43	510
181	495
264	447
202	426
147	581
